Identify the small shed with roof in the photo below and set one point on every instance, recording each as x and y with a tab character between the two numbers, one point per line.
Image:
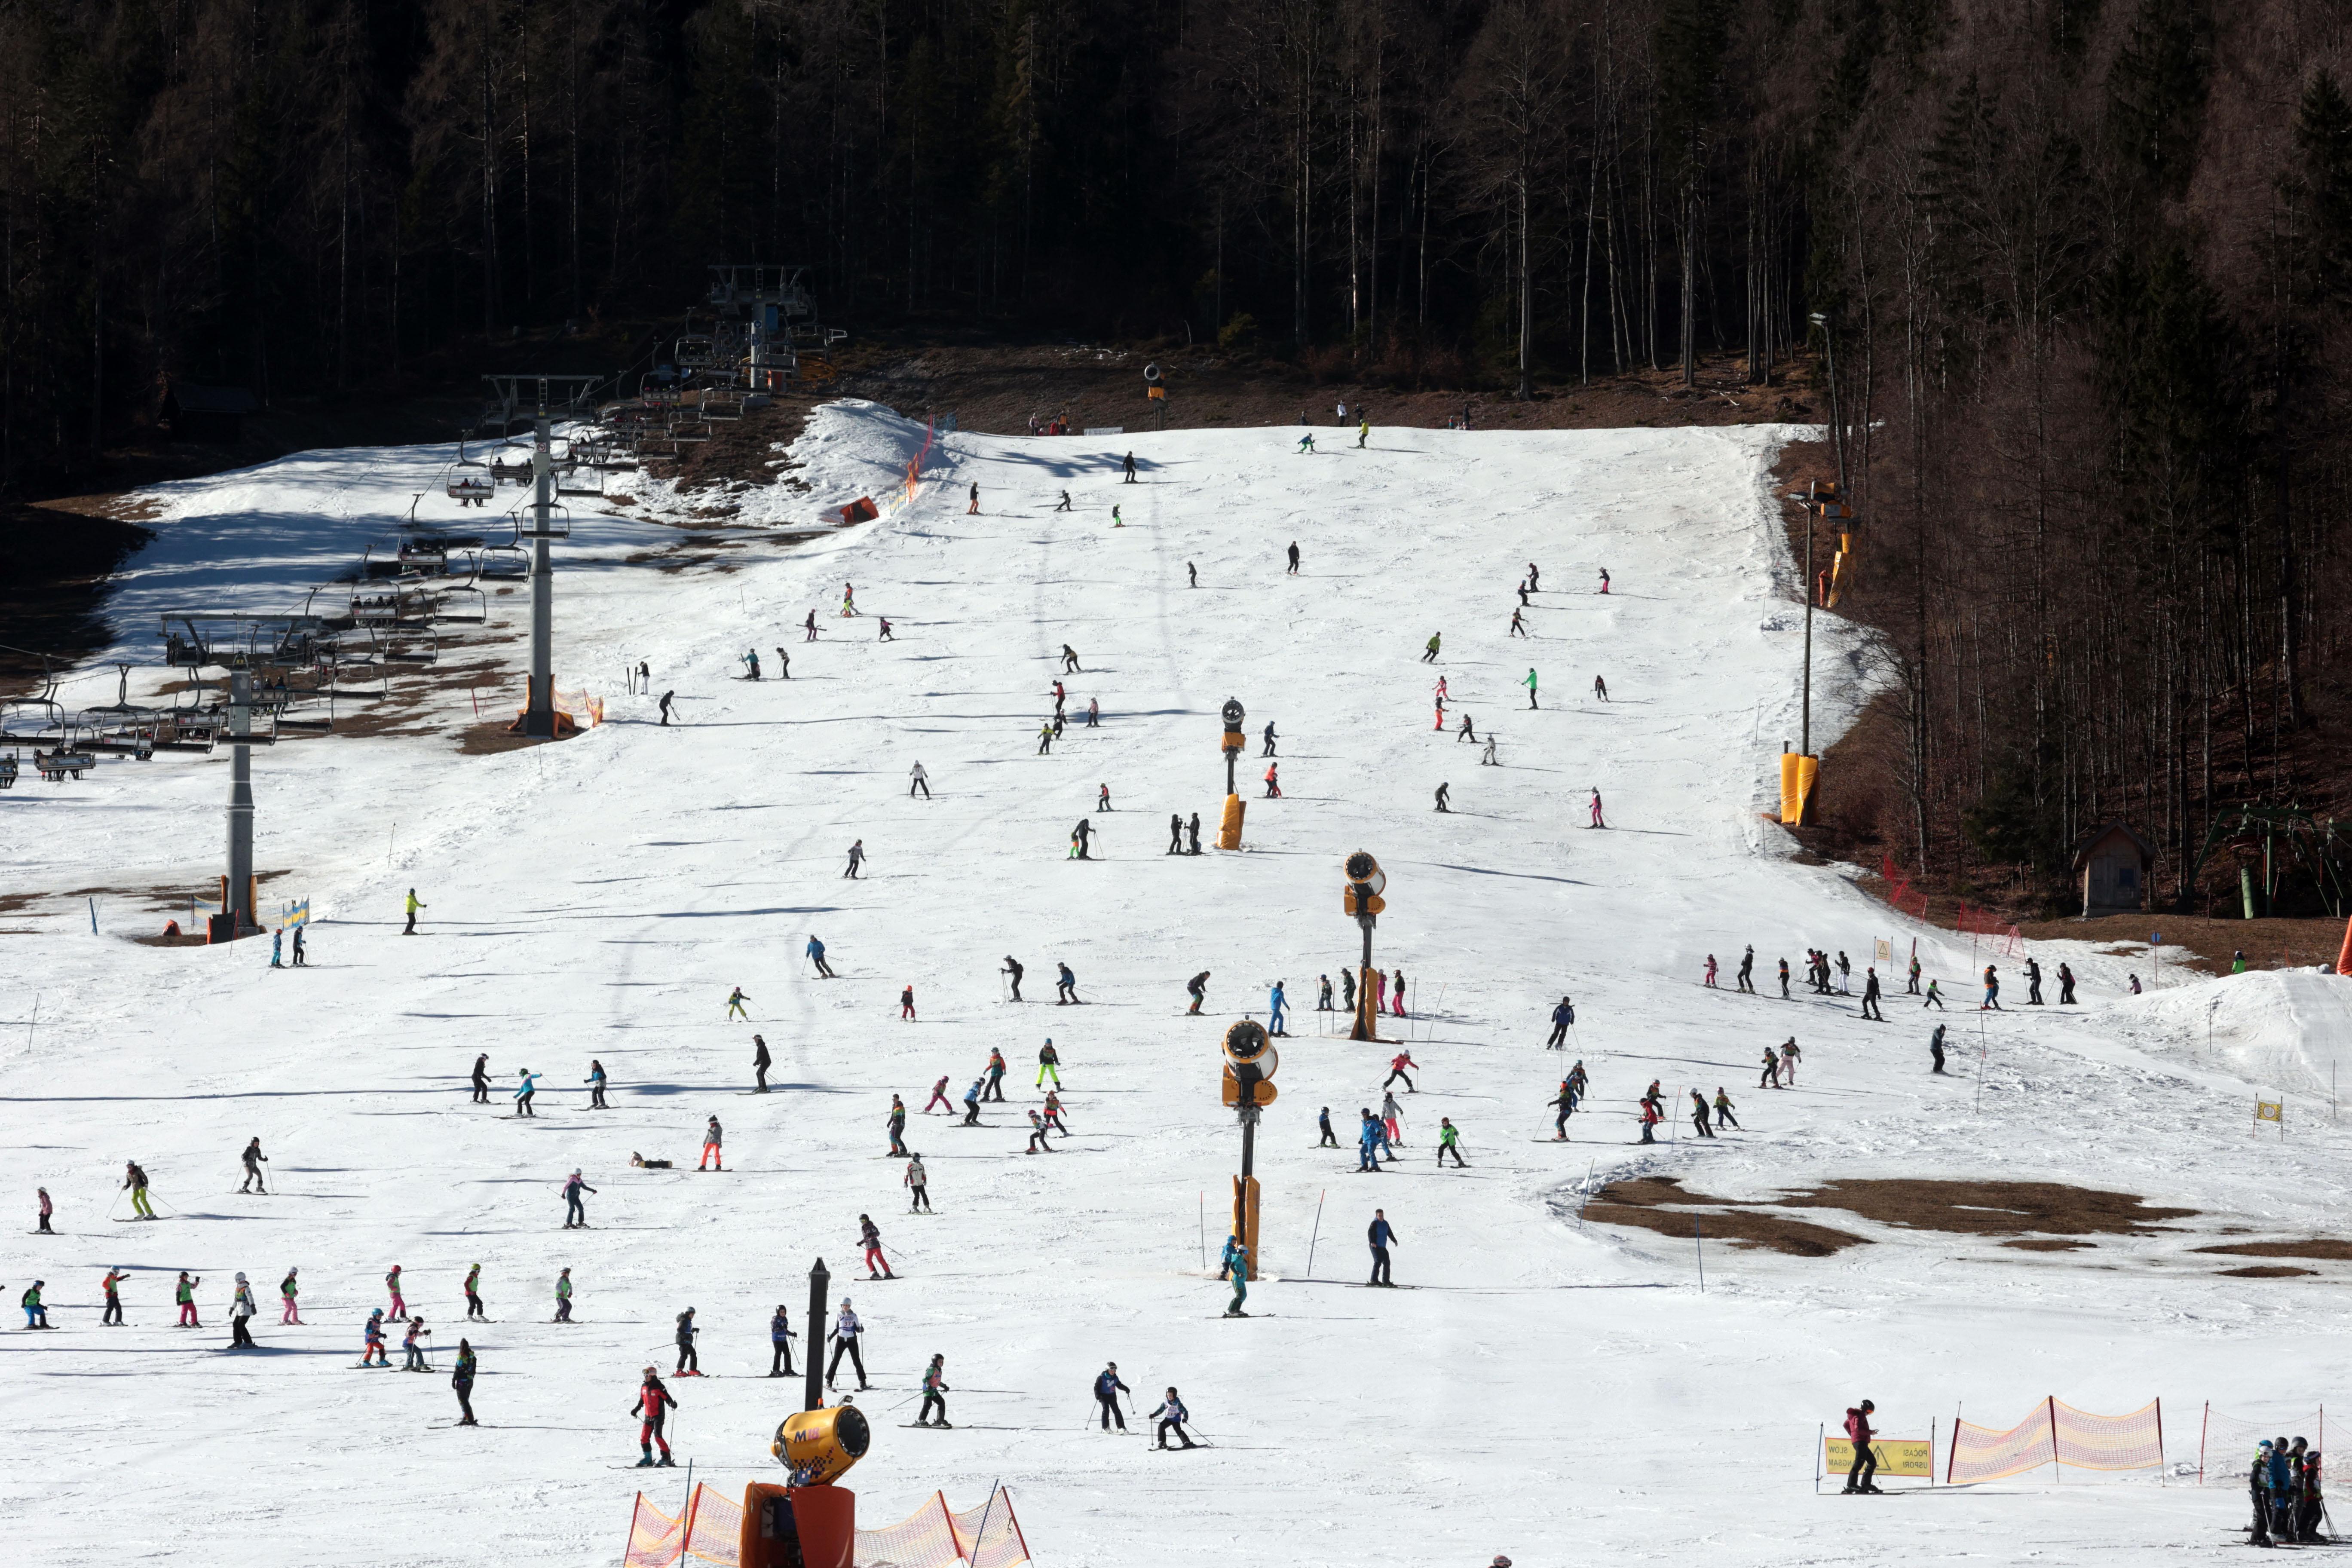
2112	866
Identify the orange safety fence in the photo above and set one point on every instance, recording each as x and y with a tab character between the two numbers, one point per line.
714	1529
2057	1434
654	1536
933	1536
583	709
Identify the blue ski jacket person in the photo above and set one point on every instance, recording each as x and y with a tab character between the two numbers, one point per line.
1365	1144
1278	1002
1382	1233
1107	1385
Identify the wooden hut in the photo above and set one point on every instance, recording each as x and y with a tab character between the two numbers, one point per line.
2112	865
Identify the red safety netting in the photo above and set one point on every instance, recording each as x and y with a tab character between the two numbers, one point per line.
714	1529
652	1537
2226	1444
2056	1433
1982	1454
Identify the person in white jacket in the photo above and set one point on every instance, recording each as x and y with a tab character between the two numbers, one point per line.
846	1331
240	1315
918	780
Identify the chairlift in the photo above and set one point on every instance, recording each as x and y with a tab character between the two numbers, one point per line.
468	479
411	645
506	560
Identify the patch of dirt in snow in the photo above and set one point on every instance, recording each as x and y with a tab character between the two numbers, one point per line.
2266	1273
2317	1246
1643	1202
1990	1208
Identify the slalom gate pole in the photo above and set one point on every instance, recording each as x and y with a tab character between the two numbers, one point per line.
1205	1230
1821	1446
1316	1235
2204	1424
1591	1167
1701	1246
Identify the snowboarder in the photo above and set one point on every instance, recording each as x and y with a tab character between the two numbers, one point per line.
846	1333
254	1160
935	1389
816	952
652	1409
1381	1235
917	1185
1198	988
1108	1388
575	1213
712	1137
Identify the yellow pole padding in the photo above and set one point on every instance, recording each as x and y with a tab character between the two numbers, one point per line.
1229	831
1799	773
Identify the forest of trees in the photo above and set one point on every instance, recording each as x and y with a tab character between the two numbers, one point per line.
2082	264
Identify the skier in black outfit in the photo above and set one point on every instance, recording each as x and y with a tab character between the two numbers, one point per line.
1294	559
687	1360
1175	833
482	1078
1108	1388
254	1160
665	698
2033	983
779	1336
1936	1047
1269	726
1748	971
1193	831
1323	1121
1870	996
1198	987
761	1063
1013	967
2065	984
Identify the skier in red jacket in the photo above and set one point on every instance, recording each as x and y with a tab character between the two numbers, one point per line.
1397	1064
652	1409
1860	1478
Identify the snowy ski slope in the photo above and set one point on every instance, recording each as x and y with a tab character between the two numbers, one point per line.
1559	1393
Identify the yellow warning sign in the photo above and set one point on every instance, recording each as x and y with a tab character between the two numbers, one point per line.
1896	1455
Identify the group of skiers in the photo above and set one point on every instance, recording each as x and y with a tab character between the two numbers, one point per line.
2289	1505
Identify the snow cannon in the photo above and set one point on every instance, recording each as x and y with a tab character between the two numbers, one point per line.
808	1522
819	1446
1229	830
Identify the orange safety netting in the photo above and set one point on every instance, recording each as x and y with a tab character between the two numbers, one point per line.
2057	1434
583	709
933	1536
1981	1454
714	1529
2133	1442
652	1537
2226	1444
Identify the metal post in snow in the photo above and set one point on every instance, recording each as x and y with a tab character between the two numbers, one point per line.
1204	1232
1701	1245
1311	1238
1589	1166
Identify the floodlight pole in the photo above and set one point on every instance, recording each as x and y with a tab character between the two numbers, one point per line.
240	901
813	1342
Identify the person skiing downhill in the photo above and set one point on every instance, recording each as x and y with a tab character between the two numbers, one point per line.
412	906
1698	1115
652	1410
371	1352
972	1104
1429	654
1049	1065
917	1184
575	1213
1172	1415
474	1295
1108	1388
689	1364
595	1078
869	1236
1397	1064
935	1389
288	1288
1723	1117
1234	1266
1449	1142
846	1330
815	952
1597	821
563	1297
254	1160
1562	1016
898	1127
1198	988
461	1382
857	858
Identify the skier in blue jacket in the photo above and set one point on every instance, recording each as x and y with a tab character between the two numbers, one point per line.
972	1104
817	955
1234	1266
1108	1388
1278	1002
1367	1142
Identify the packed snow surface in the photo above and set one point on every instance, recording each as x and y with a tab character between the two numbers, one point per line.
1561	1393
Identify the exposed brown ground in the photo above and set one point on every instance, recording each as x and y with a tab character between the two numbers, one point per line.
2266	1273
2320	1247
1664	1204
